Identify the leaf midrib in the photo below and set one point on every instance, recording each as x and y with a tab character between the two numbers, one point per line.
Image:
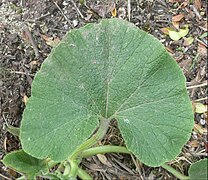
114	75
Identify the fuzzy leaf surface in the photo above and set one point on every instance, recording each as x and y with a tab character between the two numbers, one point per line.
25	164
198	170
109	70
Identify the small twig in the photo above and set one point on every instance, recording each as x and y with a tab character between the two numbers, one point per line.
38	18
22	3
190	83
44	15
138	169
77	9
29	35
195	60
193	83
4	177
4	119
203	28
200	154
129	9
195	86
63	14
196	12
201	99
201	42
19	72
56	29
16	72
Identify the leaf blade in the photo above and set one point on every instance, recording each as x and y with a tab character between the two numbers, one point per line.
198	170
110	70
24	163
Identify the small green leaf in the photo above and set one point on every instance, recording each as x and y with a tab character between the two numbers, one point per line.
183	32
174	35
25	164
13	130
22	178
200	108
198	170
203	35
52	176
188	41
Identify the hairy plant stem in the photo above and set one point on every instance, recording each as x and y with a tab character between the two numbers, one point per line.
74	159
104	149
51	163
102	130
85	150
175	172
73	169
67	169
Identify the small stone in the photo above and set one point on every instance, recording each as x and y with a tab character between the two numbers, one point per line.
75	23
65	3
66	26
202	122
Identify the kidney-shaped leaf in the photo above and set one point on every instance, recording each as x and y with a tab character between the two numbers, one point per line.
25	164
110	70
198	170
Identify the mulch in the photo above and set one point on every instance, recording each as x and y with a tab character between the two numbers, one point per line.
29	29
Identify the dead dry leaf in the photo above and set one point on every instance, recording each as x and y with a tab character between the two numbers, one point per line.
184	4
194	143
185	65
104	160
202	50
178	17
165	30
198	4
170	49
50	40
176	24
199	129
101	10
25	37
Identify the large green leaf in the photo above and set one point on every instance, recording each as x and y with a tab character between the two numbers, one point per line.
111	70
25	164
198	170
